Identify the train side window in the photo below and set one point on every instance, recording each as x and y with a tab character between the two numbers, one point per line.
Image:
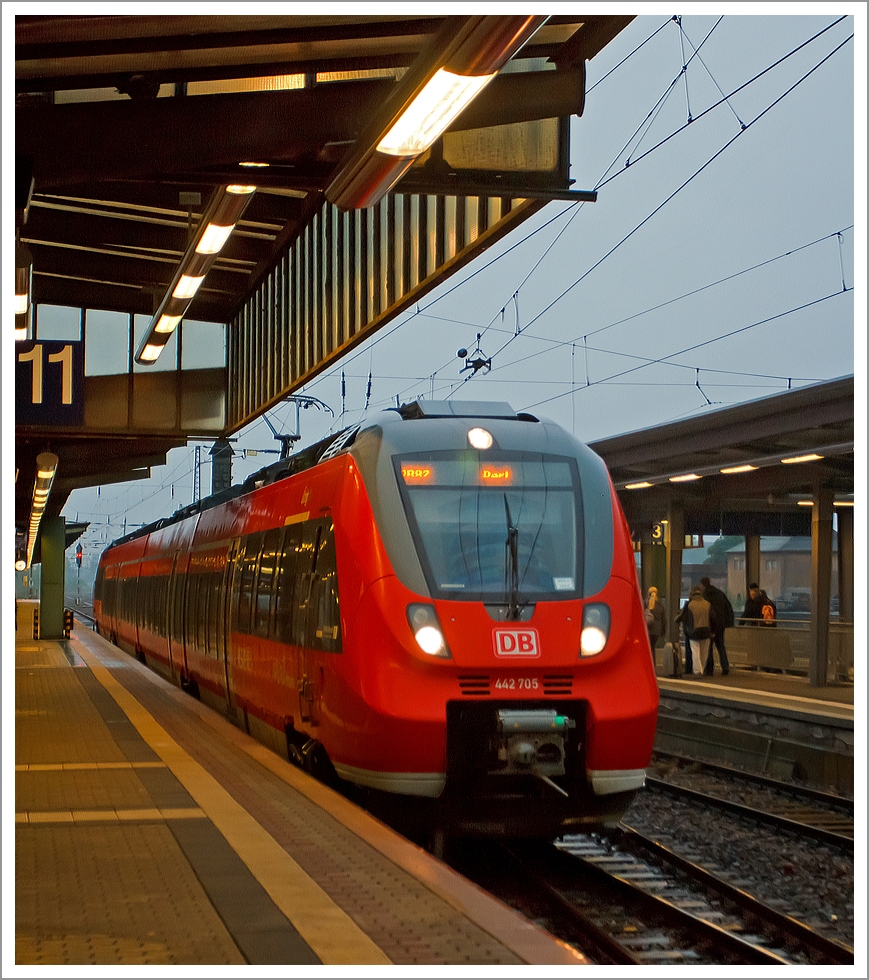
265	580
247	581
215	618
203	609
178	582
189	609
284	597
324	632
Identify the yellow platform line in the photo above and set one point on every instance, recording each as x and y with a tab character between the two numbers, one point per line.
324	926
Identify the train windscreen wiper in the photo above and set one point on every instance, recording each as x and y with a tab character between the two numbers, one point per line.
511	569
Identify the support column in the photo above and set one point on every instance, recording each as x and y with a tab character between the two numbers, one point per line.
221	465
752	560
675	542
52	535
822	564
845	556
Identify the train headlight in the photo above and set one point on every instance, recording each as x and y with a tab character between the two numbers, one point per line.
427	630
480	438
595	629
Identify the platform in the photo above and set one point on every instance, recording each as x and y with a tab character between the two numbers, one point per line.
768	721
149	830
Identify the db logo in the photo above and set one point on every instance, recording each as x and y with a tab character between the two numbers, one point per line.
516	643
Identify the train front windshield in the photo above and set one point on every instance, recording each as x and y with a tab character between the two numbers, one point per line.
495	527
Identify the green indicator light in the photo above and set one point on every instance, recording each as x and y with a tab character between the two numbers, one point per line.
559	721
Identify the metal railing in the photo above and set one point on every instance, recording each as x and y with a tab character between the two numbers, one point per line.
786	646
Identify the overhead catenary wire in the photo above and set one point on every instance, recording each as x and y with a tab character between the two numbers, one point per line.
576	207
680	188
554	344
713	340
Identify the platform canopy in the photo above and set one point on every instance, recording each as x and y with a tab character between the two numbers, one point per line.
743	469
134	132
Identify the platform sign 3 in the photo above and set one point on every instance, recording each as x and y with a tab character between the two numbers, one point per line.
49	382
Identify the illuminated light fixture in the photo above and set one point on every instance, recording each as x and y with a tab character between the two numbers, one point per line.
426	629
805	503
437	105
20	565
685	477
595	629
253	163
46	467
745	468
802	459
166	324
426	102
187	287
220	217
843	503
638	486
150	353
23	290
213	239
480	438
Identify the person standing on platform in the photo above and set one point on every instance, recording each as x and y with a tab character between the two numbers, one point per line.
752	614
767	609
723	619
656	617
698	624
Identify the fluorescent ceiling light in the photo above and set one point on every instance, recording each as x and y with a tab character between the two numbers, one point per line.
150	352
240	189
166	324
805	503
213	239
685	478
442	99
802	459
187	286
843	503
638	486
745	468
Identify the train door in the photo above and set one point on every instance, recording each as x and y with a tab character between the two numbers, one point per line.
308	681
316	620
224	618
177	590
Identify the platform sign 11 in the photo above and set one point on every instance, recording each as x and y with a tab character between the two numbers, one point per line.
49	382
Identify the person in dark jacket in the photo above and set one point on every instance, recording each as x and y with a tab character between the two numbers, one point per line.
723	619
698	624
753	614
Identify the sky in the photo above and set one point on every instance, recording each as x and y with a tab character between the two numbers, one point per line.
717	265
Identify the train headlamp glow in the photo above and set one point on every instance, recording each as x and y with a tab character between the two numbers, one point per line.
595	629
480	438
423	621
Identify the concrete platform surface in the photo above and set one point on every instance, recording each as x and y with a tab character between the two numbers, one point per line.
149	830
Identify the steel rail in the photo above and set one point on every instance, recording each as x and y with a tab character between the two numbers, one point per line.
819	834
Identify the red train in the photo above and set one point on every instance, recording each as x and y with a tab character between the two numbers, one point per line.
441	604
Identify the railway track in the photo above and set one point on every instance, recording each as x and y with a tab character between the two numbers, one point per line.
808	813
726	918
622	899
